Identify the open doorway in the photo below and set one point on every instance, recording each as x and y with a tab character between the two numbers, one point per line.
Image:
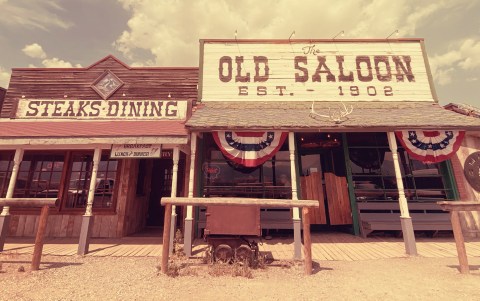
323	178
160	186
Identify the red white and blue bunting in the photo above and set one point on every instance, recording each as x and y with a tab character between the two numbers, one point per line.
431	146
249	149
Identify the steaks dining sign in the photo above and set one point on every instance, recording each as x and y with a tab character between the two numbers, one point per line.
101	109
332	70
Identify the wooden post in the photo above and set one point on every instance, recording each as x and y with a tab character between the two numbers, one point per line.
297	240
405	219
5	215
87	219
42	226
188	235
307	242
173	194
166	237
459	242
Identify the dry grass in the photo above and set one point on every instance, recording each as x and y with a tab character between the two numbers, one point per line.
9	256
180	265
236	269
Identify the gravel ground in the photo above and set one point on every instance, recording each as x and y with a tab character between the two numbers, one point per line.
123	278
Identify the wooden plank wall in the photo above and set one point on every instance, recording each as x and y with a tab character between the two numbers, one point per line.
140	83
61	225
312	189
3	91
132	209
137	206
470	220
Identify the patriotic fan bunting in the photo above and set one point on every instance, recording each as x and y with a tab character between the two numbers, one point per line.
431	146
249	149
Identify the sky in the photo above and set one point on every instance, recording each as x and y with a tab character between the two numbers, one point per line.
77	33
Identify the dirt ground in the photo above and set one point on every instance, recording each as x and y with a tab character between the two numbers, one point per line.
124	278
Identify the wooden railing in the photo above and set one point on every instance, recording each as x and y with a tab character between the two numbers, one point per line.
454	208
265	203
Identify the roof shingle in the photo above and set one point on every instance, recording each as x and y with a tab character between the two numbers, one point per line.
366	116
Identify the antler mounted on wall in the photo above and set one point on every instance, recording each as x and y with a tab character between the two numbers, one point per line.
337	116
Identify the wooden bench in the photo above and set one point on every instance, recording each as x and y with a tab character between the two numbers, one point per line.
385	215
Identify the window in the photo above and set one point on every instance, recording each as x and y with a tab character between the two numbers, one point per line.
6	166
39	175
65	175
224	178
79	181
373	171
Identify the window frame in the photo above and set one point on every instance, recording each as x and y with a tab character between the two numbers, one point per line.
98	210
257	187
64	180
411	181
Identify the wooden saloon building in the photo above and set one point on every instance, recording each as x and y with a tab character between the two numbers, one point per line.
351	123
354	124
109	129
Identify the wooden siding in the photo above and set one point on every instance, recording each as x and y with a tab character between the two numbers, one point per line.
470	220
63	225
2	96
367	71
136	206
75	83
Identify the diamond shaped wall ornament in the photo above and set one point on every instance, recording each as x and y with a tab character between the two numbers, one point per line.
106	84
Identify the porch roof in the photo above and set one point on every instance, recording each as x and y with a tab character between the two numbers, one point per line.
366	116
87	132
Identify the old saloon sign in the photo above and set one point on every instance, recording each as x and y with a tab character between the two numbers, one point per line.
321	71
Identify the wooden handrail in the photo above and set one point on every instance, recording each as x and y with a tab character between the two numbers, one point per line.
45	204
459	205
29	202
265	203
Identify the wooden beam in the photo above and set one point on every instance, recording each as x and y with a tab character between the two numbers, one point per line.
459	206
266	203
459	242
29	202
37	251
48	141
166	237
307	242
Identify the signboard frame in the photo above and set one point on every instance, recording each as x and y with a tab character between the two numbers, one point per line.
315	70
136	151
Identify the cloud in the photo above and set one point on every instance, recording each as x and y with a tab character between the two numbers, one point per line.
465	56
32	14
35	51
4	77
58	63
169	30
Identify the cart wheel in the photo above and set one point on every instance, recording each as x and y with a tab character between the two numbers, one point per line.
243	254
223	253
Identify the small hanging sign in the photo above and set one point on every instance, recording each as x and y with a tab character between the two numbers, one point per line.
136	151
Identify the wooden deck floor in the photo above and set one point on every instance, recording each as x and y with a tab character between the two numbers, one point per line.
325	246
